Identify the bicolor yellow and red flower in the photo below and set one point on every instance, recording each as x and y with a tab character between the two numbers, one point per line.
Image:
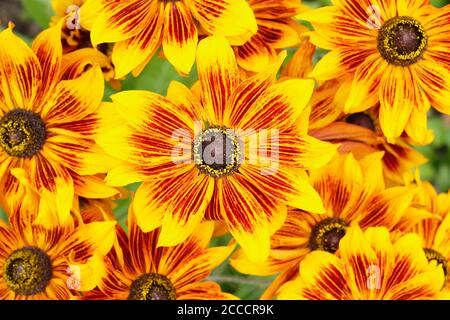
352	192
435	231
395	54
56	263
138	270
368	266
163	139
47	128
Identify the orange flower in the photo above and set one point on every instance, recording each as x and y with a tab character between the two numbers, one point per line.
170	144
47	128
139	270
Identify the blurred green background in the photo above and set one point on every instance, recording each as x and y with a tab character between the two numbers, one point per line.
31	16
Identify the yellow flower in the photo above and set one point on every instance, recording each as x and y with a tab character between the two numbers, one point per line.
138	270
395	52
435	232
352	192
368	266
139	27
276	30
38	263
245	177
47	128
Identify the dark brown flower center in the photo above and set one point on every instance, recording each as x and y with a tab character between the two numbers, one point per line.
432	254
217	152
152	286
402	41
327	234
27	271
22	133
361	119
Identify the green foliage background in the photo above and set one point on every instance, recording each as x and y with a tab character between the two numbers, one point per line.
157	76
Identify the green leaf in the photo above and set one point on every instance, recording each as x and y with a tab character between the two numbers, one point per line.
38	10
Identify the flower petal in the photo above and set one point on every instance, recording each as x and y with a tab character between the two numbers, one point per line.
180	37
279	34
396	101
218	74
364	90
119	20
275	9
245	218
20	72
335	63
92	187
233	19
322	277
254	55
435	81
204	291
279	107
75	99
177	202
48	49
55	186
130	53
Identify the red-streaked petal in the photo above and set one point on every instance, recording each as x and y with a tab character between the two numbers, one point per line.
119	20
274	9
397	98
279	106
180	37
55	186
233	19
248	92
92	187
75	99
48	49
435	81
255	55
177	203
20	72
218	74
279	34
204	291
364	89
129	54
245	217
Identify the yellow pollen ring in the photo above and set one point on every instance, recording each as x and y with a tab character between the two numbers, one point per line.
232	158
402	41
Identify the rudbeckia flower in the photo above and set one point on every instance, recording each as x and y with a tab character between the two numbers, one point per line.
238	153
435	231
359	133
37	263
352	192
277	30
47	126
138	270
139	27
395	52
368	266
